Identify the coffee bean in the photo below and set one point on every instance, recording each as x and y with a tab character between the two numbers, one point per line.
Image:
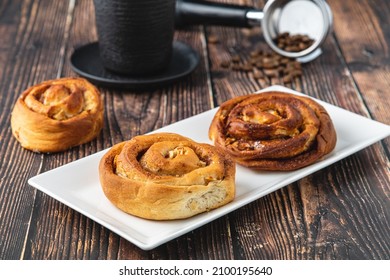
280	69
236	58
284	61
253	61
225	64
212	39
259	64
270	64
296	64
271	73
257	74
293	43
306	39
246	67
302	46
255	54
296	73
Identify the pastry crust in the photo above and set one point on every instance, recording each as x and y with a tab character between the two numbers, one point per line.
57	114
273	131
166	176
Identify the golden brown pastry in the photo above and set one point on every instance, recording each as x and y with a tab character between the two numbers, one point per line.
58	114
166	176
273	131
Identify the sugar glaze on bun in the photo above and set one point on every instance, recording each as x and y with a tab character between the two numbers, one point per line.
166	176
56	115
273	131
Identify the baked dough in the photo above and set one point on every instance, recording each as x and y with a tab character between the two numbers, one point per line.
166	176
273	131
56	115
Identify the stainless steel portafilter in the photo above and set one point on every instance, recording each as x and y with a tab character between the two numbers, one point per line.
312	18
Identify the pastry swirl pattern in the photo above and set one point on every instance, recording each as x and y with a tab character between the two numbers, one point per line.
165	176
56	115
273	131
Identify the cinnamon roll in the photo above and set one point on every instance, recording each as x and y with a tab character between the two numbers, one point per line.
56	115
273	131
166	176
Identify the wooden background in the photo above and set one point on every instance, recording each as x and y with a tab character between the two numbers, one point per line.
340	212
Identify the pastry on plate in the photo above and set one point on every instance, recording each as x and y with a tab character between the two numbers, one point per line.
273	130
165	176
56	115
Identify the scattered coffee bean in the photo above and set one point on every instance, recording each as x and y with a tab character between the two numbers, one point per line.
284	61
212	39
259	64
255	53
236	58
265	65
225	64
271	73
236	67
257	74
296	73
247	67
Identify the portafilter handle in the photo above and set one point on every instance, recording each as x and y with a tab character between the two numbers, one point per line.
194	12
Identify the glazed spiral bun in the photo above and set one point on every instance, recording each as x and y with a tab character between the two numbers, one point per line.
273	131
56	115
166	176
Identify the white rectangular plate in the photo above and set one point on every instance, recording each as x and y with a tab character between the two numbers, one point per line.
77	184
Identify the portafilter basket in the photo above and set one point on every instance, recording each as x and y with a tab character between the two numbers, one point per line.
312	18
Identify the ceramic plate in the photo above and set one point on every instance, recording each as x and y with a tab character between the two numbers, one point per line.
77	184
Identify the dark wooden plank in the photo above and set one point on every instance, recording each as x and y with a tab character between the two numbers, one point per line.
367	56
29	54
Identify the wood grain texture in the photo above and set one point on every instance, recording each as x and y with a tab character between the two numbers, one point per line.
340	212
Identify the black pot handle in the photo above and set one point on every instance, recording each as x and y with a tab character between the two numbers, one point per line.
193	12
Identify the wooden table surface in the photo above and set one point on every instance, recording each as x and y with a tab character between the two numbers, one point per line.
339	212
